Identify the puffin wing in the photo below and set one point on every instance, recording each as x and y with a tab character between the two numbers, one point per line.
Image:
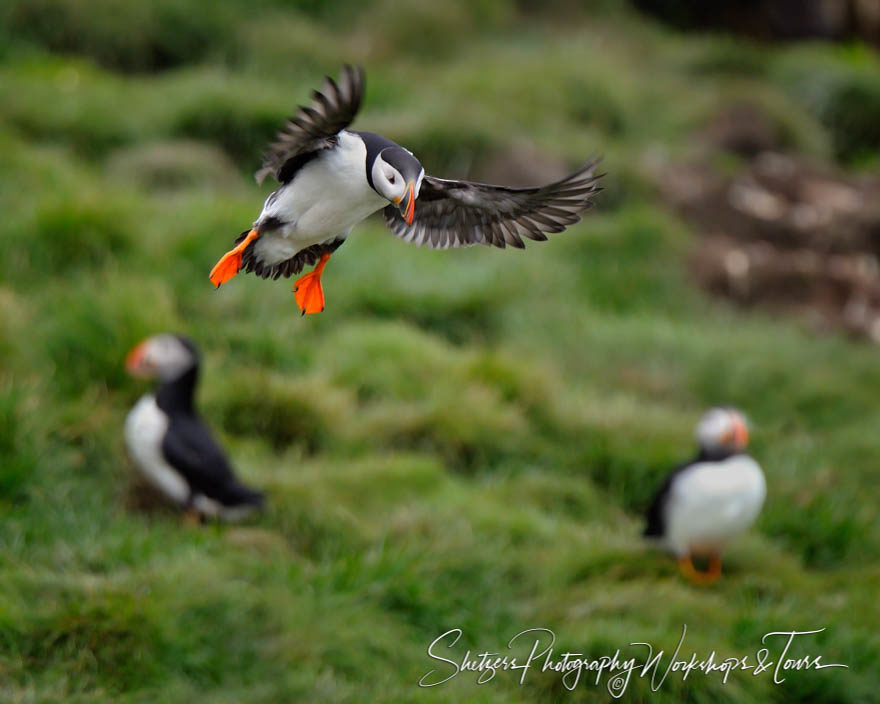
655	526
315	127
191	450
461	213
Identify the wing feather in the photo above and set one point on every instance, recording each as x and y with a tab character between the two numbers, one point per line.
453	213
314	127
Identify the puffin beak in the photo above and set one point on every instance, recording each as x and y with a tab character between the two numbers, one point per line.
407	204
134	361
740	433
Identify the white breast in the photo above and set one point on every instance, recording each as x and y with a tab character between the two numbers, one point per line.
328	197
145	428
712	502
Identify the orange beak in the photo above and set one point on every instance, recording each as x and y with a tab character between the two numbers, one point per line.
407	204
740	433
134	360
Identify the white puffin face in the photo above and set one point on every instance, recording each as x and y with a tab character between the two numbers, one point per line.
164	356
722	431
390	183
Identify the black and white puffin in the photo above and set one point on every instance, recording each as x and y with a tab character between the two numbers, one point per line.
333	178
705	503
168	441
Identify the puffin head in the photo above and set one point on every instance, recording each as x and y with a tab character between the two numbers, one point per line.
722	432
166	357
397	175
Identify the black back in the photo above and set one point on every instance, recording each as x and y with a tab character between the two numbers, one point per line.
189	447
292	166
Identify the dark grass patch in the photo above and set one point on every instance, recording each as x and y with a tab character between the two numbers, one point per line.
85	340
73	233
631	472
16	445
241	127
852	115
466	320
593	102
450	151
130	37
282	418
314	532
536	454
832	535
462	455
102	644
173	165
841	88
727	56
431	30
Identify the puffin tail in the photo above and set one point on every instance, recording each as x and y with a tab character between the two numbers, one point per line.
242	495
239	501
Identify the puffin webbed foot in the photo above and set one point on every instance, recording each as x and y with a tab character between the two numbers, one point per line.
308	291
230	262
710	576
192	517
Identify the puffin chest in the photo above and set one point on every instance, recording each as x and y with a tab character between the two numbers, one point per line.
145	429
327	196
712	502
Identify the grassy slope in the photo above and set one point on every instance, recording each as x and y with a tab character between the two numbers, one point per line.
463	439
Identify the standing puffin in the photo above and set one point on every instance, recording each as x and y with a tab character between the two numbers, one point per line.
705	503
333	178
169	442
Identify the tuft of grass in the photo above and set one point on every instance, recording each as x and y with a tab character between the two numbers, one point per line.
151	37
283	411
462	439
16	446
171	165
235	123
73	234
840	88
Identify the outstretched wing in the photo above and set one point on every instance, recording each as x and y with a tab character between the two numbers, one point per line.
315	127
461	213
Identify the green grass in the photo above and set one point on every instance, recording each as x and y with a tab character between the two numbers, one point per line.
463	439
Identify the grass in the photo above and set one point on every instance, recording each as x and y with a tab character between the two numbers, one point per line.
463	439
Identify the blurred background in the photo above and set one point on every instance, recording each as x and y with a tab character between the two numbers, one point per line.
463	439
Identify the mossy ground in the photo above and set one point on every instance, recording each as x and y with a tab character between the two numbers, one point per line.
463	439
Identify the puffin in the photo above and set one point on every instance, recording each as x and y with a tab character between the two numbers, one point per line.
331	178
169	442
705	503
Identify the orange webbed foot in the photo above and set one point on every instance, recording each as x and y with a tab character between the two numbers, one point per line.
308	290
714	571
710	576
226	268
230	262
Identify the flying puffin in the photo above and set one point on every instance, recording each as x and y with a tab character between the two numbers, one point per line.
169	442
705	503
333	178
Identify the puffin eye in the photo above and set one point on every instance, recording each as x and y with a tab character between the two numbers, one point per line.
391	178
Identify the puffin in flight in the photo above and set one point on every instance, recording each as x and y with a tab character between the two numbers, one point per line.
168	441
705	503
333	178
